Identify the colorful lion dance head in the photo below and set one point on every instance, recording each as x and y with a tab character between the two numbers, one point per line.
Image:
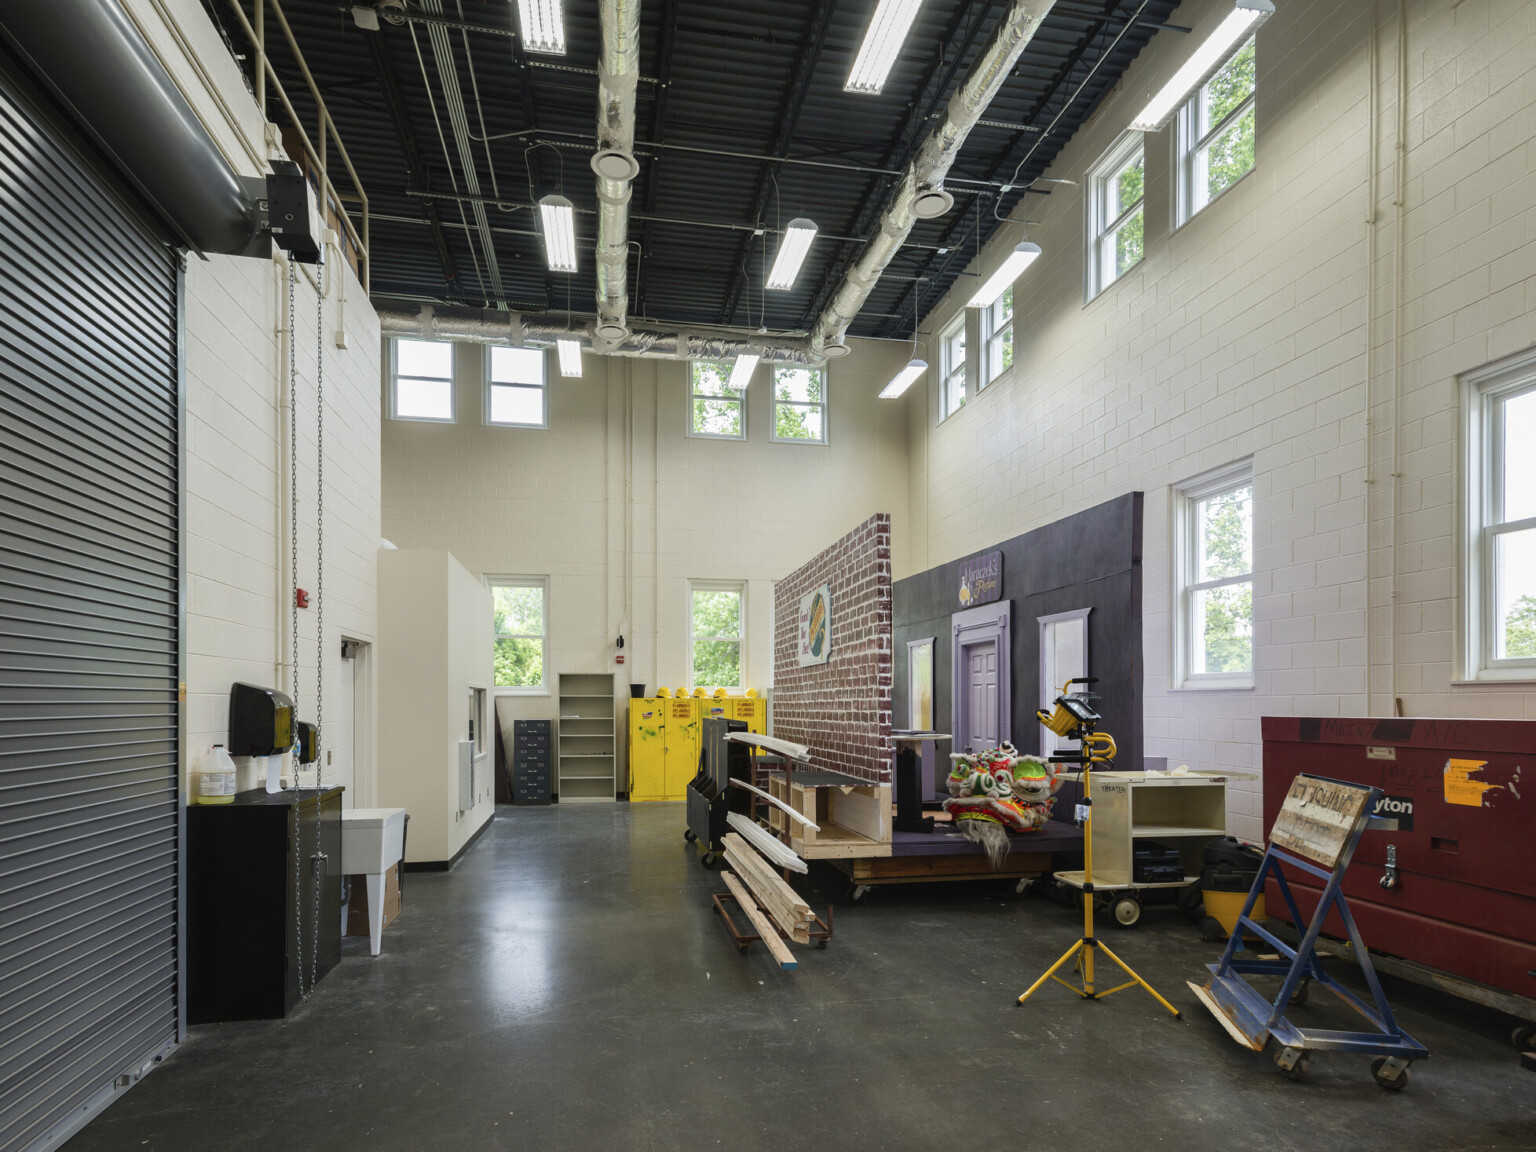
997	791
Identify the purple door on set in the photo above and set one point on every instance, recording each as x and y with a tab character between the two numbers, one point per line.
979	678
981	688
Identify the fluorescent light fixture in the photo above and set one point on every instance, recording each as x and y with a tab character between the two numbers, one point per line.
559	219
903	379
543	26
1022	256
570	356
741	371
792	250
882	44
1218	48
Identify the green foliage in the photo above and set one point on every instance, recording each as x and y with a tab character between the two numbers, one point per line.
1520	628
717	407
1129	187
716	662
797	392
1231	155
796	422
519	624
519	663
1225	524
1128	243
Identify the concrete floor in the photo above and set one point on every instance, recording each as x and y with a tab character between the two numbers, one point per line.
566	987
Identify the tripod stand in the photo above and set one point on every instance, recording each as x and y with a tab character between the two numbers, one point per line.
1074	719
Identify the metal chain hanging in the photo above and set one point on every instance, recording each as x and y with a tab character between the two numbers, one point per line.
317	862
293	607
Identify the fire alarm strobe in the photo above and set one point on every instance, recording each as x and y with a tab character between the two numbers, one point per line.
300	598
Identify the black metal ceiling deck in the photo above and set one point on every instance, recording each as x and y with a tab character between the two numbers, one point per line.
742	123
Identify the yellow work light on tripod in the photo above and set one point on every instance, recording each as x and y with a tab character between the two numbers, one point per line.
1073	718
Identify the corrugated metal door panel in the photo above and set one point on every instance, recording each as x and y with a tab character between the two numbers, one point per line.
89	626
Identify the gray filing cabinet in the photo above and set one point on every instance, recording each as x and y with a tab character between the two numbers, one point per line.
532	758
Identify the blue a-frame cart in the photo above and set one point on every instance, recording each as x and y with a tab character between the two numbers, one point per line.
1253	1021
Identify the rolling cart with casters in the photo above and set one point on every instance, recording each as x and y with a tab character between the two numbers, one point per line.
1316	833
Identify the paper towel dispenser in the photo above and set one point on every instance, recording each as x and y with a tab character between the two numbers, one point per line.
260	721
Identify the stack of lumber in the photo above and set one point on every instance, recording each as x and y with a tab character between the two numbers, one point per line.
771	904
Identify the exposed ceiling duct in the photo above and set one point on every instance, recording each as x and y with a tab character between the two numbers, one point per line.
511	328
914	197
618	72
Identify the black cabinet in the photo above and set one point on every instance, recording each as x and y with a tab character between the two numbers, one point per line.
256	907
532	760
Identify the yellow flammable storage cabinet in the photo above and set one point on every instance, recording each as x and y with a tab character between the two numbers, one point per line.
647	749
663	747
751	709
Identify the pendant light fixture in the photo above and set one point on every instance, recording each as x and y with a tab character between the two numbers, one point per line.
914	367
793	248
741	371
543	26
570	356
558	215
887	32
1022	256
1219	47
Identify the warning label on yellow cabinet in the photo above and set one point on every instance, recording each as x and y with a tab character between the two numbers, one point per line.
1460	788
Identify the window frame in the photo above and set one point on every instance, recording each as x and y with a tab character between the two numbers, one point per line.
1098	227
824	405
1187	498
491	384
1190	144
740	588
740	401
1484	394
989	334
542	583
394	380
949	371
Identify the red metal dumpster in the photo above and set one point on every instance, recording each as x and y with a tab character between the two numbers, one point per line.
1464	897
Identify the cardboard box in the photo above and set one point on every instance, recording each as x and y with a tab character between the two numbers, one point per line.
357	904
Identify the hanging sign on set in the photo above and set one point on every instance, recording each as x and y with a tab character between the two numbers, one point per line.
981	579
815	628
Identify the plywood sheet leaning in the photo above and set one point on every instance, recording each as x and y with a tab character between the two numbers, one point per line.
783	903
1318	817
765	929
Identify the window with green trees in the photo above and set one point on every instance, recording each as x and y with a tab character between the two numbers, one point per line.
952	369
799	403
1216	579
997	333
1508	553
714	407
1116	188
521	610
715	635
1216	133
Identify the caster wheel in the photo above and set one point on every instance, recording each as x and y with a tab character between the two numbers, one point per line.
860	893
1300	995
1393	1084
688	835
1211	930
1021	887
1523	1037
1126	911
709	860
1293	1065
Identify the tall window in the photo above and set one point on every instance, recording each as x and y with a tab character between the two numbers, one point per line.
1214	560
521	606
1501	523
421	380
1115	188
799	404
1216	134
714	407
952	369
997	337
716	631
515	387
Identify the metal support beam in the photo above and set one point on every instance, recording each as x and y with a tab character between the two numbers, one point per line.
811	43
418	175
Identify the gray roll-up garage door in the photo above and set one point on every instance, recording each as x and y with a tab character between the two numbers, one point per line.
89	590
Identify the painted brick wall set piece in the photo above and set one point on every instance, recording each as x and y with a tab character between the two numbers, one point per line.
840	709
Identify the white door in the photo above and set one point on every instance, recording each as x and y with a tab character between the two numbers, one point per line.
341	733
981	692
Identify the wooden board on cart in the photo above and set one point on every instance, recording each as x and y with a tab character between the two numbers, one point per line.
917	869
854	818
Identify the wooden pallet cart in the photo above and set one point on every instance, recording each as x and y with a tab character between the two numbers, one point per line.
1316	832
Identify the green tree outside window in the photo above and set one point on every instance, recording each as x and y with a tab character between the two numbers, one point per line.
519	625
716	625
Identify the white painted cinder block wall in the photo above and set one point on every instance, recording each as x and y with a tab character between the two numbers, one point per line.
1246	333
237	580
615	476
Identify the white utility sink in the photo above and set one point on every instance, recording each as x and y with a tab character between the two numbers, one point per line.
372	840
